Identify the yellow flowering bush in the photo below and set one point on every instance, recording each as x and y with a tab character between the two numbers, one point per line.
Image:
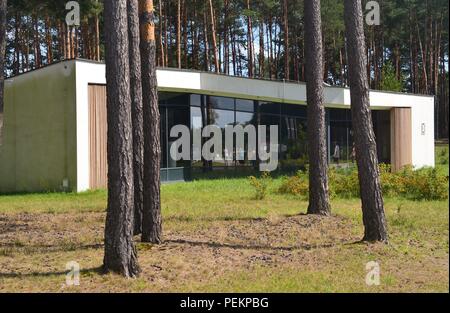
261	185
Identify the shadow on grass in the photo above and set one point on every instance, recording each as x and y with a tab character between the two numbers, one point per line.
252	247
50	248
180	218
94	270
213	219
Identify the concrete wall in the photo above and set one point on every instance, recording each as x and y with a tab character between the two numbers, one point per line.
39	140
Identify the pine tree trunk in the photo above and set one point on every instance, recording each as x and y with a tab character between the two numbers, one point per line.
166	35
226	42
249	42
411	54
62	41
341	68
72	42
206	42
233	51
161	33
214	40
262	59
318	177
444	95
179	33
48	37
366	150
76	42
97	38
120	252
151	217
37	44
67	42
185	35
26	50
269	40
196	40
136	113
424	62
17	26
3	24
286	40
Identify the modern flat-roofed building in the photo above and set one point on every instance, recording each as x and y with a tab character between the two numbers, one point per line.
54	127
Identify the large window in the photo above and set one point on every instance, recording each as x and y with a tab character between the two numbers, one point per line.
382	128
340	137
174	110
197	111
293	143
241	155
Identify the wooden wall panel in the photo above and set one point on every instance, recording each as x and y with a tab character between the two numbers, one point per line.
97	137
401	138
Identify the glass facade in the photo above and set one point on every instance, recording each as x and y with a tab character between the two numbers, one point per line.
197	111
340	136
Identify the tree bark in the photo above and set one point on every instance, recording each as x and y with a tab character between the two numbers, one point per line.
161	33
120	251
97	38
226	43
48	38
17	26
262	58
185	34
286	40
214	40
179	33
249	42
136	113
365	145
37	43
206	41
151	218
3	24
318	177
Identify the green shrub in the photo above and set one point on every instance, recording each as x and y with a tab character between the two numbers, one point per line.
343	183
261	185
427	184
392	185
422	184
442	156
296	185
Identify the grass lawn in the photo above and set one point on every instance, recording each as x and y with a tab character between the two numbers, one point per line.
442	158
218	238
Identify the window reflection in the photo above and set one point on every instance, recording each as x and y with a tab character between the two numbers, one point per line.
241	155
197	111
340	137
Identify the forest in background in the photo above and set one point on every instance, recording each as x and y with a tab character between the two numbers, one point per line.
259	39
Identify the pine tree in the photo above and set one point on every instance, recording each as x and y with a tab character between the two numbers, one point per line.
151	217
366	150
318	177
120	251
